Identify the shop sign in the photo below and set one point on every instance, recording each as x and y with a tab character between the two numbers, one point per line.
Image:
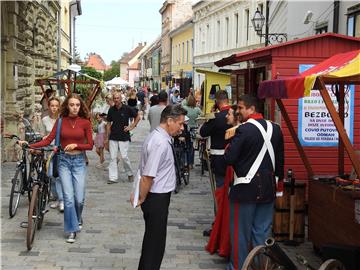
316	127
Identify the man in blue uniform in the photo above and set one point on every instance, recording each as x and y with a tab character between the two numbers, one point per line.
215	129
257	156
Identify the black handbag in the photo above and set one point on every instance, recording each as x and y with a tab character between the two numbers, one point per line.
55	158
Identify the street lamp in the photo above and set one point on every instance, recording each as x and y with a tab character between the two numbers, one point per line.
258	22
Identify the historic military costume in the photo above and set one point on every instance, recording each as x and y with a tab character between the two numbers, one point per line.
253	192
215	129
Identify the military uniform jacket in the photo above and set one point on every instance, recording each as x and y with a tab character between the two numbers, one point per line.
216	128
241	154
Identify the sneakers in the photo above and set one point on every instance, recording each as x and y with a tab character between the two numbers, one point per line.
54	205
112	182
71	238
61	206
131	178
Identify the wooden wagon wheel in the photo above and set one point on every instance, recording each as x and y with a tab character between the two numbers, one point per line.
258	259
332	264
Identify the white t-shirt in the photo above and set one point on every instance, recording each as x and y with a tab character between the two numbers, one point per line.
48	123
101	127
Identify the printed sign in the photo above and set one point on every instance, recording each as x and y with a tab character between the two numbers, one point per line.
316	127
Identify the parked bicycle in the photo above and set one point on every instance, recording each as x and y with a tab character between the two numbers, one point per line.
40	195
21	182
182	162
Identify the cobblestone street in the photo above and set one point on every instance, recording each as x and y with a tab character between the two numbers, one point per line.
112	233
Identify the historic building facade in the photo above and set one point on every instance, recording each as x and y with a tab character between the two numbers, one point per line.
222	28
173	14
182	41
31	48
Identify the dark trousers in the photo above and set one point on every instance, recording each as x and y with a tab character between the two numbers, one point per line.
155	212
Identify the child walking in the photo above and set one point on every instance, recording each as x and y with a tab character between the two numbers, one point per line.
99	138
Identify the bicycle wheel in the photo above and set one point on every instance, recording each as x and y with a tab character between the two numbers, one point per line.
15	193
33	217
43	200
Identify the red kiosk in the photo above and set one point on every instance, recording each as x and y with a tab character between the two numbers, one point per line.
334	206
282	61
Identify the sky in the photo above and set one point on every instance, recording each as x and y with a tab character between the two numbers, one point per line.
112	27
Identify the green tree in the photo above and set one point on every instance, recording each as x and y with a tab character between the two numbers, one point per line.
113	71
85	89
92	72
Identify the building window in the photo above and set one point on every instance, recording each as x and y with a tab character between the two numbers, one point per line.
178	54
236	19
261	8
187	51
183	53
218	34
208	42
353	23
192	50
227	30
199	41
247	18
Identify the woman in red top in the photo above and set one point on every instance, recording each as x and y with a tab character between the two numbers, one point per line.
75	138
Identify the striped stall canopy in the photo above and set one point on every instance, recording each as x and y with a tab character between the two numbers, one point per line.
340	68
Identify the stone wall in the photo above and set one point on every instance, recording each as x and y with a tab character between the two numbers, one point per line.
29	51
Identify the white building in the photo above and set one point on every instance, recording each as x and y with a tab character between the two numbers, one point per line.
302	19
222	28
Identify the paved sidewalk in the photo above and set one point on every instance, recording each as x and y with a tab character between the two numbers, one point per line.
112	233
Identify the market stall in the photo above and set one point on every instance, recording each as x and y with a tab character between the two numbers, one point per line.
334	208
71	80
286	60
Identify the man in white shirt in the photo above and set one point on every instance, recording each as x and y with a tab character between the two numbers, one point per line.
158	180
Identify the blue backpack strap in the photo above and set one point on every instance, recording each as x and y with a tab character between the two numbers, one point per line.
58	130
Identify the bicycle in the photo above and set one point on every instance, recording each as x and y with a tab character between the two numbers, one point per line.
21	183
40	195
182	159
202	149
271	256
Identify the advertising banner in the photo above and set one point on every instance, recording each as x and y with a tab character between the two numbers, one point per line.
315	126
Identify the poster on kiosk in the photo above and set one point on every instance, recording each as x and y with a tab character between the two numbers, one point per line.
316	127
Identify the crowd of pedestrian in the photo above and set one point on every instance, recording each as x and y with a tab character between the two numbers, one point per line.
246	157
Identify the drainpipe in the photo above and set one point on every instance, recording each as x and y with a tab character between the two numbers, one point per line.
59	41
336	16
267	22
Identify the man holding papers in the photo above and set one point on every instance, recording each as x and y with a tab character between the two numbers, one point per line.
156	180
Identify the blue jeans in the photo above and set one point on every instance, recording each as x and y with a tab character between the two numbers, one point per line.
56	186
72	171
254	226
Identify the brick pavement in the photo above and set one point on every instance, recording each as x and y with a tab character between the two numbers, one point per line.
112	233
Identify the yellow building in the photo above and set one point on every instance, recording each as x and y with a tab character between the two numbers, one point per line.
65	35
182	56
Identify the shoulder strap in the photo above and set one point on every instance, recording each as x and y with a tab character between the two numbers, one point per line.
58	130
267	137
267	146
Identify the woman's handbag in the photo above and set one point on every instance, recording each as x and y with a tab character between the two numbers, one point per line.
55	159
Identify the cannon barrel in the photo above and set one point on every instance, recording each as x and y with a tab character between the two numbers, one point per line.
277	254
